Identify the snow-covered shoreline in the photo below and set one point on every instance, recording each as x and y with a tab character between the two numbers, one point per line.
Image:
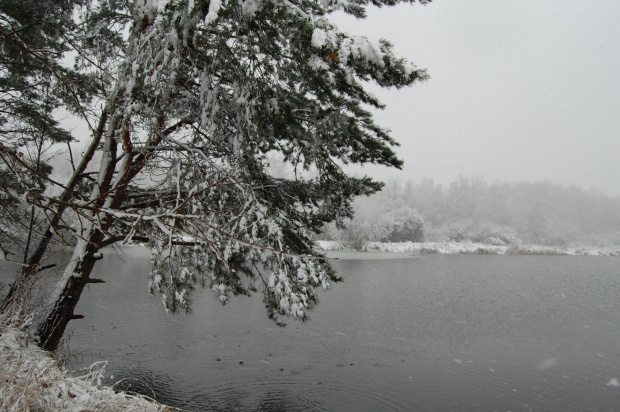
473	248
31	379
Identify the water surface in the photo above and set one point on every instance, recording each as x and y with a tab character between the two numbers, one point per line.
438	332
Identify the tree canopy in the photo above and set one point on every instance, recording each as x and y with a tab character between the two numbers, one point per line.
185	101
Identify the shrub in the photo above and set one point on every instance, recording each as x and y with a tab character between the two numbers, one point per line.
406	225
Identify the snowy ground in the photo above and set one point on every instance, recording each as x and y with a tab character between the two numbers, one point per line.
31	380
476	248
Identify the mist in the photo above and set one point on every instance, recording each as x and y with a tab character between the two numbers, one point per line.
471	210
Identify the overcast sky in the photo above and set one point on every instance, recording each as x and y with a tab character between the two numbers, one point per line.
519	91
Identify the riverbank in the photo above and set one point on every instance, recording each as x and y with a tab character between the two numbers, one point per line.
473	248
32	380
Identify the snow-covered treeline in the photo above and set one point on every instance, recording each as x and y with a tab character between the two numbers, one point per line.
472	210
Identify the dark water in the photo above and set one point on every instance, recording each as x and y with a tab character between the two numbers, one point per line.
439	332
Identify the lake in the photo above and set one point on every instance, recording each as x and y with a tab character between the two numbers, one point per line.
402	333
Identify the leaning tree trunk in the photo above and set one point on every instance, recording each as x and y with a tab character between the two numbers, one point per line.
13	300
108	193
68	292
77	273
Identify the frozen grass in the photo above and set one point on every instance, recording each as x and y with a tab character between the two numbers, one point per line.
475	248
32	380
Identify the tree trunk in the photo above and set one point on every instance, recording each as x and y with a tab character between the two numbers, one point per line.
68	291
34	260
76	275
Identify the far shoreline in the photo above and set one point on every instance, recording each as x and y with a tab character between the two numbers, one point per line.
425	248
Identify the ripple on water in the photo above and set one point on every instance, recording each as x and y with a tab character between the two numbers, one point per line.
291	393
296	393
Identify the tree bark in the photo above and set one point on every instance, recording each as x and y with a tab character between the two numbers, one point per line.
34	260
77	274
110	193
49	332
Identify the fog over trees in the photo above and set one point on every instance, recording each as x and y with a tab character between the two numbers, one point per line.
470	209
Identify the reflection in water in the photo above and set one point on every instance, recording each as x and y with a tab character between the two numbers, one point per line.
452	332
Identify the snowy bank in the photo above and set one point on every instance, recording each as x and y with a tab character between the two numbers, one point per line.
473	248
32	380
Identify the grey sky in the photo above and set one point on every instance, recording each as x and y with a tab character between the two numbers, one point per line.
526	90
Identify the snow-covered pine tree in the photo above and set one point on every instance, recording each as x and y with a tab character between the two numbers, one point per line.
201	94
34	84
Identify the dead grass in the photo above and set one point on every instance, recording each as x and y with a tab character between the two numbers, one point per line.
32	380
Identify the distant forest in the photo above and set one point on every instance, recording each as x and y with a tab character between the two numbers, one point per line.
469	209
